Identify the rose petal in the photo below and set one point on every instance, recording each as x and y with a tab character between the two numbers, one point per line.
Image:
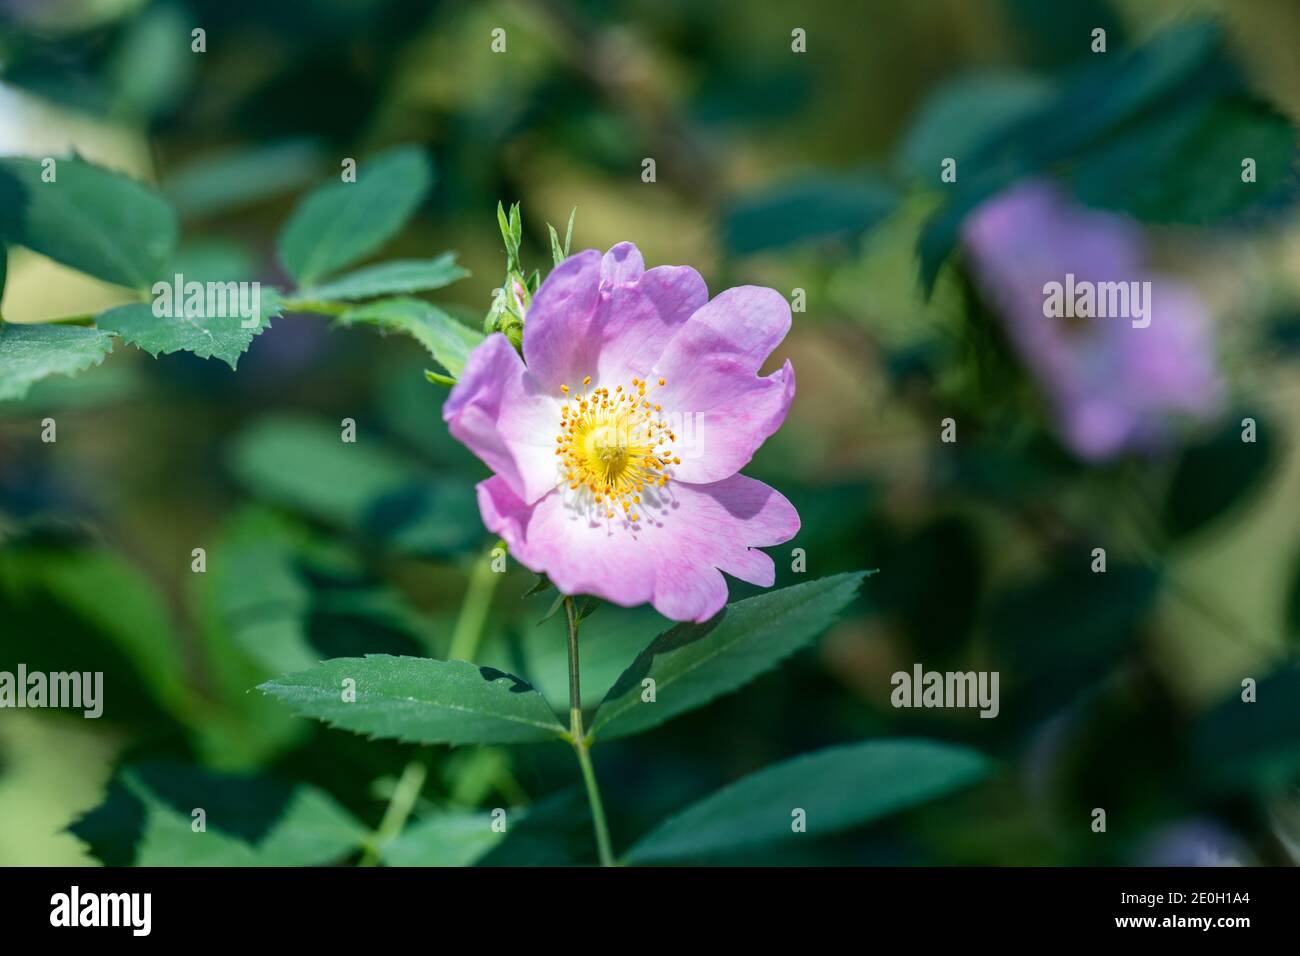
499	411
719	407
622	264
671	558
556	330
607	318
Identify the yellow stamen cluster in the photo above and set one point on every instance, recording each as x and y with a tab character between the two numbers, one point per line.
614	445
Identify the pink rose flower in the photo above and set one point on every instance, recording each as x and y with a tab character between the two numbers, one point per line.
1115	388
617	441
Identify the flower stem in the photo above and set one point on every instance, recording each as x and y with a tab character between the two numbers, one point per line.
400	804
580	745
474	608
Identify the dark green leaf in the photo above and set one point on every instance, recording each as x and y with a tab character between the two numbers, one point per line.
447	838
1217	475
836	788
822	208
539	652
543	583
364	487
1242	745
287	600
1184	166
148	819
420	700
339	223
215	184
94	220
1062	630
1096	105
963	115
57	618
694	663
151	67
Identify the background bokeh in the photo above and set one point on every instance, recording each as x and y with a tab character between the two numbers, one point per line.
812	171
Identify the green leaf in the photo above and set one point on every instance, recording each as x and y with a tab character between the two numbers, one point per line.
364	487
1242	745
29	353
446	340
825	207
230	180
511	234
89	218
390	278
1184	166
962	115
151	66
147	820
1218	475
288	600
542	583
1067	627
694	663
58	616
420	700
557	253
1098	107
341	222
215	260
837	788
1111	94
561	252
191	329
555	832
568	232
448	838
541	655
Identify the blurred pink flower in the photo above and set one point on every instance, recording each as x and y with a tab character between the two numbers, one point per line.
617	446
1114	385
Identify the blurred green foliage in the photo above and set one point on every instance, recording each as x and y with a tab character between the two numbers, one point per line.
817	172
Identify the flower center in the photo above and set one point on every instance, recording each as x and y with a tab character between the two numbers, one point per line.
614	445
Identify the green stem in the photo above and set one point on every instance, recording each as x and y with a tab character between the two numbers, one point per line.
581	745
399	809
474	608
